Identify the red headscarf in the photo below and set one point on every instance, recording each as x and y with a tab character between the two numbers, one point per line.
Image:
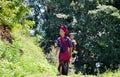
64	28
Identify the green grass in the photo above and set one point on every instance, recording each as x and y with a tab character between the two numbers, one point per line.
32	62
110	74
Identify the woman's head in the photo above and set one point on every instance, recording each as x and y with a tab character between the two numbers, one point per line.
63	30
72	35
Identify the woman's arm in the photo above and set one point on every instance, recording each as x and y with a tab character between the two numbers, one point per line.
57	50
58	46
75	43
71	48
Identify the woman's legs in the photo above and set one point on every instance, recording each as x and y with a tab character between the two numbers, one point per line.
60	70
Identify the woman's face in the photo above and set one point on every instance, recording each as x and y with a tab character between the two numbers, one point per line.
72	36
62	33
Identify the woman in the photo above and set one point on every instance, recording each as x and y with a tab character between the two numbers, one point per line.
64	46
74	43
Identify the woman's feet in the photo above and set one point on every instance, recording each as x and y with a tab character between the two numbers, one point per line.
59	74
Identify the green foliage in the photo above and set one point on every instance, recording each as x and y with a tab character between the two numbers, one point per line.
9	52
105	33
14	12
23	57
97	27
33	61
10	69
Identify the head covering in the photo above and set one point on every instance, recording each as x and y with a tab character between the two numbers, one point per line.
73	33
64	28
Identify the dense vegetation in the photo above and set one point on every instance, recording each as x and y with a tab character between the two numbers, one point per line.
97	24
22	57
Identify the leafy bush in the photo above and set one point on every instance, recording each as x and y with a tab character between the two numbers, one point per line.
31	62
13	13
97	26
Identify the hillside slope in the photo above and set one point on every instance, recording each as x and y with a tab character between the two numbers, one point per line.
23	58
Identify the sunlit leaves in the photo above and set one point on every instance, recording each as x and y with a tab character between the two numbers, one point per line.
12	12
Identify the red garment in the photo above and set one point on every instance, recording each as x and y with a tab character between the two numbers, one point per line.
73	45
66	54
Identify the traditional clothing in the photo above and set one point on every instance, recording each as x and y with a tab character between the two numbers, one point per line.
64	44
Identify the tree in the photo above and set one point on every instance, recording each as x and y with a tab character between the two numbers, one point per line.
37	15
97	27
13	14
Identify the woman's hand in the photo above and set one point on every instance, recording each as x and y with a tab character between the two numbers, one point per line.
57	50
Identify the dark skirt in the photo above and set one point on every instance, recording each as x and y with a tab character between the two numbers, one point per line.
65	66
